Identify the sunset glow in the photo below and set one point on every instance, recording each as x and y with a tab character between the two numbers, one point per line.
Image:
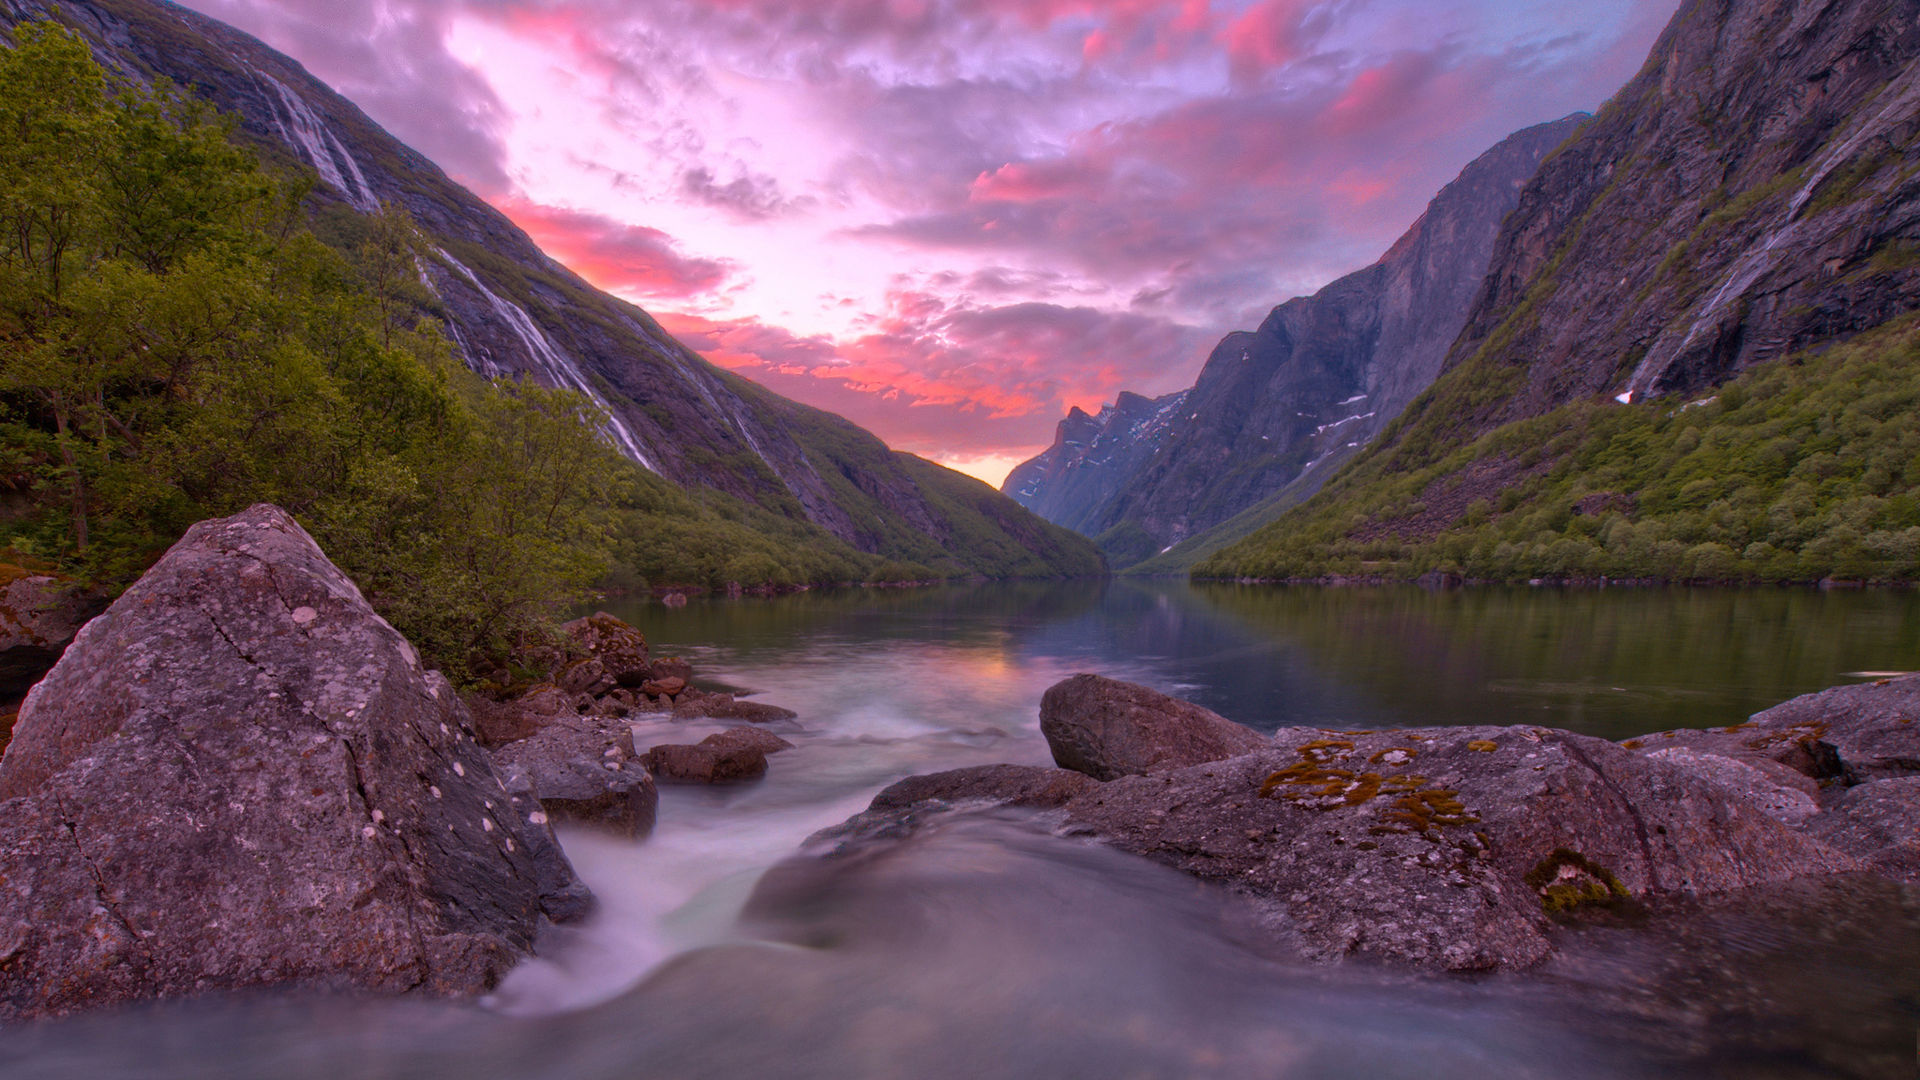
952	220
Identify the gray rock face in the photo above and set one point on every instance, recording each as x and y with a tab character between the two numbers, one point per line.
1106	728
1877	823
1279	409
38	617
241	776
1447	847
1746	196
1092	458
583	769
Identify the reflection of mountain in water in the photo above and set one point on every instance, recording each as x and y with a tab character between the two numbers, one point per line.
1609	662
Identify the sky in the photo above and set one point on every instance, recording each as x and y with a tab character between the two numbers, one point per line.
953	220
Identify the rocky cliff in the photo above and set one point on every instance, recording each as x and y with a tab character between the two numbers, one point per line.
510	310
1320	377
1750	195
1072	482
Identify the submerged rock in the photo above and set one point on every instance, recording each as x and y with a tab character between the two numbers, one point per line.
904	805
1106	728
695	704
240	776
747	738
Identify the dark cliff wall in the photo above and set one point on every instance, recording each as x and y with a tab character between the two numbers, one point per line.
1751	196
1285	404
1749	193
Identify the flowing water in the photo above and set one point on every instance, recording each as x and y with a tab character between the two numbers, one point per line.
985	946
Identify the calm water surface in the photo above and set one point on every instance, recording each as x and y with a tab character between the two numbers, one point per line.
985	946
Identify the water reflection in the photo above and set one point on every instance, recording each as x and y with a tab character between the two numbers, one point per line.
1614	663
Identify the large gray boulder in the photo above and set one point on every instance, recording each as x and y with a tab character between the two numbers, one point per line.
240	776
1106	728
1453	848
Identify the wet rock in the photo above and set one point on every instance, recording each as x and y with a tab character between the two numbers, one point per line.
748	739
675	763
583	769
620	649
1106	728
240	776
1451	848
1877	823
904	806
695	704
39	614
1031	786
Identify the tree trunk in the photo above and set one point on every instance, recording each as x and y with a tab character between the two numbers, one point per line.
76	485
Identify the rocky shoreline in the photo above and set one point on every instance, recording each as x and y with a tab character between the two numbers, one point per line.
240	776
1466	848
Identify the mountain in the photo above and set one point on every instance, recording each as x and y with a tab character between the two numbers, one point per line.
1652	381
1278	409
1092	457
511	310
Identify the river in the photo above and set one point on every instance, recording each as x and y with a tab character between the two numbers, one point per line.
985	946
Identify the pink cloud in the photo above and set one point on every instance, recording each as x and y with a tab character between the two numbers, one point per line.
938	377
616	256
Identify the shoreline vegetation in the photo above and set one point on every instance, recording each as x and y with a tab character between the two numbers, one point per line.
1800	470
188	333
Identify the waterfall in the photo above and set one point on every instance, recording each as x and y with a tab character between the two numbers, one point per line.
555	365
303	130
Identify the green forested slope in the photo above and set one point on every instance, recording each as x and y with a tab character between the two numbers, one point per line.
1803	468
175	344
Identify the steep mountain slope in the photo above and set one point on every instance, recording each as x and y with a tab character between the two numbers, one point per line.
511	310
1283	405
1753	194
1092	457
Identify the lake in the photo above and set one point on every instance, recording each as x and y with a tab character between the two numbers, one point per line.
985	946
